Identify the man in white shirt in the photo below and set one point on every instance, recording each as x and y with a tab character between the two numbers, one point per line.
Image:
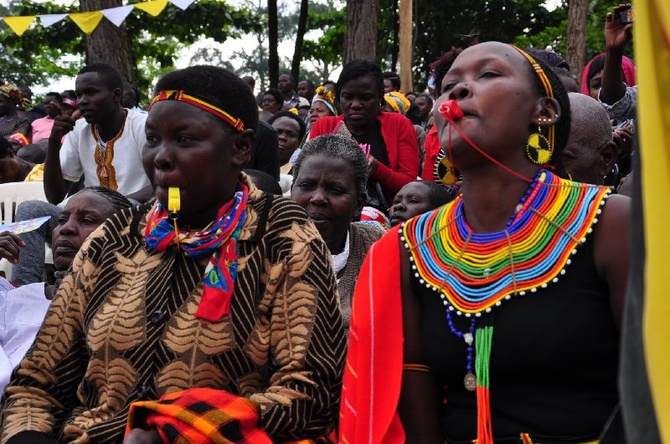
105	146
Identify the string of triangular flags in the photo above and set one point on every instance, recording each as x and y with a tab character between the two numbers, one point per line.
88	21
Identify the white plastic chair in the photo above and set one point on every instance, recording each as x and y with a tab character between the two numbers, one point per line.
11	195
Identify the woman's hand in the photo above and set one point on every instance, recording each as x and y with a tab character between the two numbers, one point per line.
623	137
141	436
372	165
10	245
617	34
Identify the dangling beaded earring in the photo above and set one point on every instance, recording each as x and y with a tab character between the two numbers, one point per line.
443	170
538	149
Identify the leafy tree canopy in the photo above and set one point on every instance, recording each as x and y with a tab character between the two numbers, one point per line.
42	53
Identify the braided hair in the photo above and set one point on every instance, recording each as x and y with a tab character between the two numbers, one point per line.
118	200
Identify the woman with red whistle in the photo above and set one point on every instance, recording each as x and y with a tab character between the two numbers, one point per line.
503	325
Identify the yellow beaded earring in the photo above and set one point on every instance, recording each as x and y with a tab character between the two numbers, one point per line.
538	148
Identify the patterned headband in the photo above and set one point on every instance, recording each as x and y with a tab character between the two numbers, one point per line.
544	80
326	97
181	96
10	90
69	102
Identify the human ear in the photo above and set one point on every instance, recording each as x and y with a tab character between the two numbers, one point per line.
547	111
243	144
117	93
360	203
608	155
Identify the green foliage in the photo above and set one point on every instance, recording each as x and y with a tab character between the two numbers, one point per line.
327	51
155	41
33	58
555	37
458	23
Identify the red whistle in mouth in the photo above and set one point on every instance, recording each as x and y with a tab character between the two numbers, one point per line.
451	111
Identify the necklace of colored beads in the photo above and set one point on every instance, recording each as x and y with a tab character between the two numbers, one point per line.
474	272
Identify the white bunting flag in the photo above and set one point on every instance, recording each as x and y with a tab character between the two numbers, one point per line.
49	19
117	15
182	4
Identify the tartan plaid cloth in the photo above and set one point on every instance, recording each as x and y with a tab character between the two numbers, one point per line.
200	415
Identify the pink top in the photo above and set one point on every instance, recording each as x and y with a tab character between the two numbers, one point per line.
42	128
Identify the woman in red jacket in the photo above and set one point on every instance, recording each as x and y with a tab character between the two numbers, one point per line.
388	139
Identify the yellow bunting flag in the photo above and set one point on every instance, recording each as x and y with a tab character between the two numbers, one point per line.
153	8
19	24
87	21
652	54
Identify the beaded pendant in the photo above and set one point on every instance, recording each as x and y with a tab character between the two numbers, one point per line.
474	272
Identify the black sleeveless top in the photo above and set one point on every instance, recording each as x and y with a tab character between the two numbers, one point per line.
554	360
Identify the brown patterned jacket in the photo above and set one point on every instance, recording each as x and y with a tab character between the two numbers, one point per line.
122	328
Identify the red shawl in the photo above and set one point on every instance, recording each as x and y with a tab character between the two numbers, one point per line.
373	372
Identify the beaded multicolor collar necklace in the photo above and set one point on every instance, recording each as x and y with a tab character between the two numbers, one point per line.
474	272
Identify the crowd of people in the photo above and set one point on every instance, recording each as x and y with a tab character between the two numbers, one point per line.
318	263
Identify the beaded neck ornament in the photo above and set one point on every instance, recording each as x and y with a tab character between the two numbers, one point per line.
474	272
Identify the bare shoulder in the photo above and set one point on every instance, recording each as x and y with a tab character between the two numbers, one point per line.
612	250
614	221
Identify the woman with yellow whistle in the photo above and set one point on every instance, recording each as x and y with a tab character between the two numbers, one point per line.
209	316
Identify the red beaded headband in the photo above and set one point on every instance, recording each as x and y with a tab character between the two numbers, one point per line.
181	96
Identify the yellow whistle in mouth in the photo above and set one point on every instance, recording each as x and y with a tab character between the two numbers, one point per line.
174	200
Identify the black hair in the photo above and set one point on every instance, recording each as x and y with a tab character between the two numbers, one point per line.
216	86
290	115
70	94
109	75
118	200
553	59
597	65
274	92
441	66
55	95
309	82
438	195
355	70
289	76
394	78
339	147
426	96
264	182
135	91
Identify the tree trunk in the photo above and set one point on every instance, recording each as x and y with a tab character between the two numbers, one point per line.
396	32
273	37
406	45
361	31
299	38
576	45
109	44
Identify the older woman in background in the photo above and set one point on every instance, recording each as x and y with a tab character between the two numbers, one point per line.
330	177
22	309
